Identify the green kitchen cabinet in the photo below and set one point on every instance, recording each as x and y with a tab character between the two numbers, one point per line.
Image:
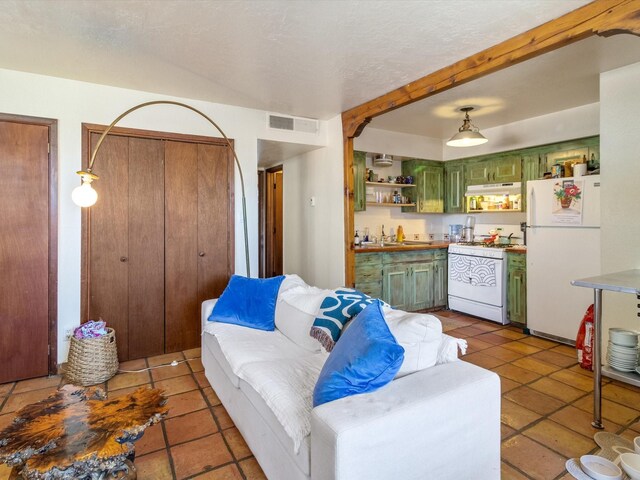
506	169
440	280
420	285
454	187
477	172
396	285
517	288
369	274
429	191
359	185
532	169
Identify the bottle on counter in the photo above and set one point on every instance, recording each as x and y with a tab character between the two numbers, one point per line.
400	234
356	239
473	203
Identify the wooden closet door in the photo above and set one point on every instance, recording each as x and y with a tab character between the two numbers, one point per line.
182	323
108	243
24	254
146	247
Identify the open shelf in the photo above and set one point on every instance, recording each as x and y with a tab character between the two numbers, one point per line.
376	204
632	377
501	210
387	184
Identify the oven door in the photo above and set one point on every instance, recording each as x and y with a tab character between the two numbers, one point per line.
478	279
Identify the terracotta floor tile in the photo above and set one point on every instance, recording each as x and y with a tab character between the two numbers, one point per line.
189	427
493	339
185	403
516	373
446	313
164	359
228	472
236	443
137	364
126	391
4	471
37	384
507	385
560	439
201	379
578	369
506	431
6	420
487	325
16	402
456	322
200	455
212	396
537	366
173	386
484	361
610	410
635	426
196	365
521	347
503	354
163	373
557	389
539	342
193	353
516	416
629	434
509	473
5	388
580	421
509	333
581	382
534	400
476	345
566	350
470	331
624	396
124	380
555	358
539	462
151	441
252	470
154	466
224	420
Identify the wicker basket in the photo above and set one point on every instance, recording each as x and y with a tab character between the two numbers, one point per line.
92	360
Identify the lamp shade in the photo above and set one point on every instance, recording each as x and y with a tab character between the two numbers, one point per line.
467	138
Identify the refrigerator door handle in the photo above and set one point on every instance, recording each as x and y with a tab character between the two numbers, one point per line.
531	207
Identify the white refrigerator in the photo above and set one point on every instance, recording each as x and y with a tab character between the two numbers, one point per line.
563	244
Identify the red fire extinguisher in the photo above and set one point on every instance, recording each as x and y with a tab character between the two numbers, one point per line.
584	340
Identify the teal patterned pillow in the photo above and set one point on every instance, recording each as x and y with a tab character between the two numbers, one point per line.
335	311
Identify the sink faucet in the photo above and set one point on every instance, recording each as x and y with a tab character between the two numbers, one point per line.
382	237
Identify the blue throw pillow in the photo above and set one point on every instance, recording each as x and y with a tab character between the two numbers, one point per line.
249	302
366	358
335	311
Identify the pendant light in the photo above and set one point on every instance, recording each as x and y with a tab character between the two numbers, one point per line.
468	134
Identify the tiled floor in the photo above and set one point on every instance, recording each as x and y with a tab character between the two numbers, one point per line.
546	409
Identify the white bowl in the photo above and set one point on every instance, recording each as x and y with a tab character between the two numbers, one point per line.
636	444
630	463
623	337
600	468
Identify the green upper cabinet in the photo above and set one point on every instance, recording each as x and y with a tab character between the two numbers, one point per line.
506	169
359	185
429	191
532	169
477	172
454	187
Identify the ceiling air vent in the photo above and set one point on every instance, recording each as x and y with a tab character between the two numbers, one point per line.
382	160
293	124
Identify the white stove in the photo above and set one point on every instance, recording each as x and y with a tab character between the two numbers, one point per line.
478	280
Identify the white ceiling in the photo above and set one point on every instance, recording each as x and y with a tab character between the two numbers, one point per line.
312	58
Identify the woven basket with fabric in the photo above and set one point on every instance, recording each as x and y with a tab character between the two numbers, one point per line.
92	360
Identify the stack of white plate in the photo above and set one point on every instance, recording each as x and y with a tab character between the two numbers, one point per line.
623	350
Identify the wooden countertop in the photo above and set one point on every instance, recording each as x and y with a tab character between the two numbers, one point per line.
515	250
402	248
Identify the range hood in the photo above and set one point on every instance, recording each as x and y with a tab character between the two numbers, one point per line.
512	188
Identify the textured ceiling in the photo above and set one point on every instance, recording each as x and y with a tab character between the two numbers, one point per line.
299	57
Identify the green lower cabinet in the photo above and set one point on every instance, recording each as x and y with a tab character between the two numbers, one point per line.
420	285
440	283
517	288
396	285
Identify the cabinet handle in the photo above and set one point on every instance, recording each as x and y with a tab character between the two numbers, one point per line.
123	259
201	254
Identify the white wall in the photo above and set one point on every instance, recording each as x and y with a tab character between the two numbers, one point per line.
620	196
313	236
72	103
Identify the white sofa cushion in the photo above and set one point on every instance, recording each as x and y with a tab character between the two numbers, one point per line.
296	325
286	387
419	334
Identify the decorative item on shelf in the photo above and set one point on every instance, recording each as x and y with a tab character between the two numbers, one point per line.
86	196
468	134
408	179
382	160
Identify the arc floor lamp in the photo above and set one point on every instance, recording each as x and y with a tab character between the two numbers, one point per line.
86	196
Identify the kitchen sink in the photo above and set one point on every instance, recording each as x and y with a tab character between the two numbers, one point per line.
394	244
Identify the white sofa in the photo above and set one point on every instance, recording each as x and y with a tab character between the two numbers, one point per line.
442	422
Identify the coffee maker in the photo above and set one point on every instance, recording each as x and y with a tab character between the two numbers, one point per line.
468	228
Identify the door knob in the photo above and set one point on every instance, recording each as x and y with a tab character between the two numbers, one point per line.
123	259
201	254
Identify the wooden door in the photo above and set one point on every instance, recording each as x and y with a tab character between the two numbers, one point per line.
274	223
25	245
